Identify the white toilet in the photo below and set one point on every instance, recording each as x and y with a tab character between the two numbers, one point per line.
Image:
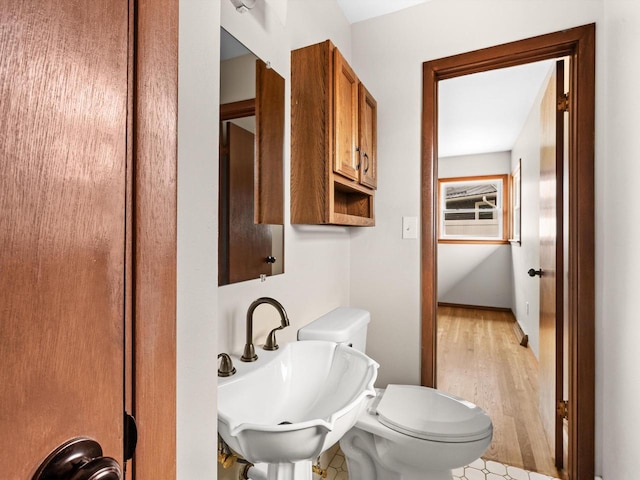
407	432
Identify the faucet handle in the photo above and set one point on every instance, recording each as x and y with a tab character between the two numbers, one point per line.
226	368
271	343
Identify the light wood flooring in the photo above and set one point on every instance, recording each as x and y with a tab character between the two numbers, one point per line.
480	360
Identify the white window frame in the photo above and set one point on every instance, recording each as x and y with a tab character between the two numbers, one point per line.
500	210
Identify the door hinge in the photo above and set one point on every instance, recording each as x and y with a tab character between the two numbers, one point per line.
563	102
130	436
562	408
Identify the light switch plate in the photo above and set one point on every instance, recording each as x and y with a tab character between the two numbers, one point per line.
409	227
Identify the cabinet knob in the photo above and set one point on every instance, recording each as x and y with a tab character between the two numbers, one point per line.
271	259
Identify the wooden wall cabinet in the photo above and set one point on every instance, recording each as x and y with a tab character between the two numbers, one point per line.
333	140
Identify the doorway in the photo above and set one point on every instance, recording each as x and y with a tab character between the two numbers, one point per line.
497	143
579	45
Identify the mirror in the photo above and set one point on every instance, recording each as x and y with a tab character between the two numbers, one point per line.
251	190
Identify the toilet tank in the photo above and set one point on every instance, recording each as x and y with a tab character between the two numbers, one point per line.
342	325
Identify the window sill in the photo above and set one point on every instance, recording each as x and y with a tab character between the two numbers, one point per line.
472	241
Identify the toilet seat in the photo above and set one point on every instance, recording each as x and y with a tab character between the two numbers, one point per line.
430	414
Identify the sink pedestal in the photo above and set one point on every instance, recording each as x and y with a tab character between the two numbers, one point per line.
290	471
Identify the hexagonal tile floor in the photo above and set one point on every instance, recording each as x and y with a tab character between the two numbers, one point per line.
478	470
490	470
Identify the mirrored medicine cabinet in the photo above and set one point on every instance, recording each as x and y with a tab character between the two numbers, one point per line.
251	189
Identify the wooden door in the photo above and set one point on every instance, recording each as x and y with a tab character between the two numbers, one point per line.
551	262
345	117
368	137
63	150
249	243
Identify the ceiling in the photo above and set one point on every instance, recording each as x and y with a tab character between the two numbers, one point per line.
478	113
486	112
359	10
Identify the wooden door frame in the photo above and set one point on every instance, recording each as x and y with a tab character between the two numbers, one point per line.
579	44
152	234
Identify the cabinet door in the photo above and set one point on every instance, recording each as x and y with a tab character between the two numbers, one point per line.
367	133
345	117
269	170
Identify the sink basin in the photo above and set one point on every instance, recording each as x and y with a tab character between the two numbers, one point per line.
292	404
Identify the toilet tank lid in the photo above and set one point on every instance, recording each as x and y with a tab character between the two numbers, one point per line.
339	325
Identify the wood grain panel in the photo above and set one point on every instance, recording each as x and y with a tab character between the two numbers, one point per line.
581	275
345	116
239	109
311	137
368	136
249	244
429	227
325	164
155	124
128	266
548	246
562	308
269	185
63	130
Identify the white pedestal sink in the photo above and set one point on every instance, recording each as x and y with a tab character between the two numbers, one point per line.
292	404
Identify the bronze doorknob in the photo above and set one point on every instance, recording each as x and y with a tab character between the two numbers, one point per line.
78	459
532	272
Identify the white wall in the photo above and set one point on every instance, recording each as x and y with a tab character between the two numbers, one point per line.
317	259
197	274
617	232
527	254
238	79
388	54
316	277
475	274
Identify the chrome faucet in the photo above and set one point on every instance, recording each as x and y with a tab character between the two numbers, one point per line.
249	354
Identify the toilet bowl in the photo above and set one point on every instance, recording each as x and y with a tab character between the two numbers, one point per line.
407	432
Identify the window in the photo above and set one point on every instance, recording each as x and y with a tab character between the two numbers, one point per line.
472	209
